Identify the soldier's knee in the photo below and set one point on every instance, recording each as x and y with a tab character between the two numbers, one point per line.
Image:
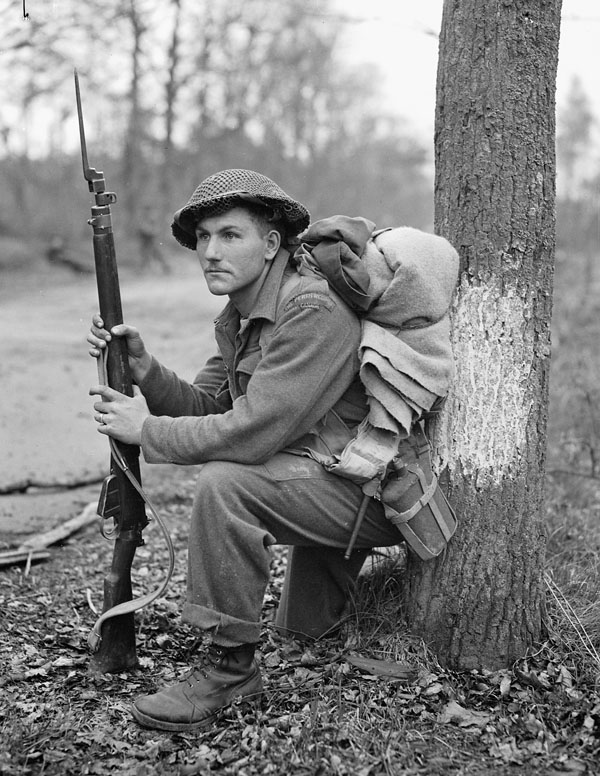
214	476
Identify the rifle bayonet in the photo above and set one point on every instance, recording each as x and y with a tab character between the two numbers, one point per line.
95	178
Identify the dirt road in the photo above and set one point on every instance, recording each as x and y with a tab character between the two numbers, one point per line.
48	440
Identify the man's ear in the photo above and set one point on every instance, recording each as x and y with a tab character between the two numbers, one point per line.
273	242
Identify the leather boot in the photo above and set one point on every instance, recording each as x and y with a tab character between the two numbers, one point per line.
223	674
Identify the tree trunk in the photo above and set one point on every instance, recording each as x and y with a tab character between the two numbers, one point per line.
481	605
133	135
171	91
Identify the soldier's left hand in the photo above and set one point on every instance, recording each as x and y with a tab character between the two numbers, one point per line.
118	415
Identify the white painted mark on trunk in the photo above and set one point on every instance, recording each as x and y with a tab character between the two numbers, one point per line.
482	427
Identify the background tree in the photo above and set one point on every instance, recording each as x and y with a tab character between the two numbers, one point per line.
171	91
578	184
174	91
574	138
132	155
482	603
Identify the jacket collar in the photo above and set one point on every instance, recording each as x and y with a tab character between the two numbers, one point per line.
266	301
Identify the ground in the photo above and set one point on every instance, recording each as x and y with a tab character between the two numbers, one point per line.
52	444
371	701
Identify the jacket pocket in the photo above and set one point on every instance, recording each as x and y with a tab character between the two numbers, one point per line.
245	369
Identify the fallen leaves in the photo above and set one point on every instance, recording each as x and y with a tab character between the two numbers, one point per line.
369	703
465	718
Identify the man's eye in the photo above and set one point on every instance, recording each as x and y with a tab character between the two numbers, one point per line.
202	237
230	235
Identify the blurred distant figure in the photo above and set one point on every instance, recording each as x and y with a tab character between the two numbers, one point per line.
150	249
58	253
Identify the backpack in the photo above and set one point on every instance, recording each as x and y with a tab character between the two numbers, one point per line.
406	294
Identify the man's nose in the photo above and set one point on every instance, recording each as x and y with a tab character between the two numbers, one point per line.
208	249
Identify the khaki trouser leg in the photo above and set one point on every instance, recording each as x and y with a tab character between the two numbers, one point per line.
240	511
316	591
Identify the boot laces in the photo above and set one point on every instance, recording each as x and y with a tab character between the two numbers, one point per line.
211	658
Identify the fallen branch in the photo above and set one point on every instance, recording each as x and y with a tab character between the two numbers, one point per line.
34	548
13	557
23	486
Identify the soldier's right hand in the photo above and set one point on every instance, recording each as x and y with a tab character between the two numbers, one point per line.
99	337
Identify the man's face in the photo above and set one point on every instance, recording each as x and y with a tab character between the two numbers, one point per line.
234	252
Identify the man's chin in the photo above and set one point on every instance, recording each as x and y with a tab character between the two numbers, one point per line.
217	286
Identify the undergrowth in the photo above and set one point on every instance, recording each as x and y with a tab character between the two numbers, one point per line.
371	701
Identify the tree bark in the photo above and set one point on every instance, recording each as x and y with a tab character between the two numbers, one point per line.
481	605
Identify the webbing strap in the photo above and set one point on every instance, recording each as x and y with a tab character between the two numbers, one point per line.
428	492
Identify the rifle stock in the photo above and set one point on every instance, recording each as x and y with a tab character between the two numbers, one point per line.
117	649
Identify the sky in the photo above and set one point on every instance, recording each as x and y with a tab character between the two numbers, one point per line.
400	36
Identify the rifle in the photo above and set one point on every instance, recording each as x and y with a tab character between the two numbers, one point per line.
120	499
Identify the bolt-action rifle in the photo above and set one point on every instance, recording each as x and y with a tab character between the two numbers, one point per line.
113	639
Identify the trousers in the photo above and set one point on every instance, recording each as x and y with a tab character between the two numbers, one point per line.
240	511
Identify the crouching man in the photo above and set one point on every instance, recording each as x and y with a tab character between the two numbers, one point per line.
283	384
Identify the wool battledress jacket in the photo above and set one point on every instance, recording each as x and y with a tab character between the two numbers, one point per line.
285	377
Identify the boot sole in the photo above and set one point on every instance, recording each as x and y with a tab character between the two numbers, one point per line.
252	699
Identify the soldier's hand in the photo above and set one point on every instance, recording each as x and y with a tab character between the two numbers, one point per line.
120	416
139	357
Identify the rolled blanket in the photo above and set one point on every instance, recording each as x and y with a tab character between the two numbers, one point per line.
401	281
416	283
405	370
406	355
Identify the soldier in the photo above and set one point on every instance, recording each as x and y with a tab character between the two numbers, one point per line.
283	388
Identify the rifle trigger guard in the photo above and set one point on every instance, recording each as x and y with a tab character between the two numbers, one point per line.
108	533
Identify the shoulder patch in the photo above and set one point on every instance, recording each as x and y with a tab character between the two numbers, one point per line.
311	299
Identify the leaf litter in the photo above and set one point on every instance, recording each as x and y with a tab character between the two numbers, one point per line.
372	701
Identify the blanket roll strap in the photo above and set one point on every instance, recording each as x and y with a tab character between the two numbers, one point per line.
415	504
